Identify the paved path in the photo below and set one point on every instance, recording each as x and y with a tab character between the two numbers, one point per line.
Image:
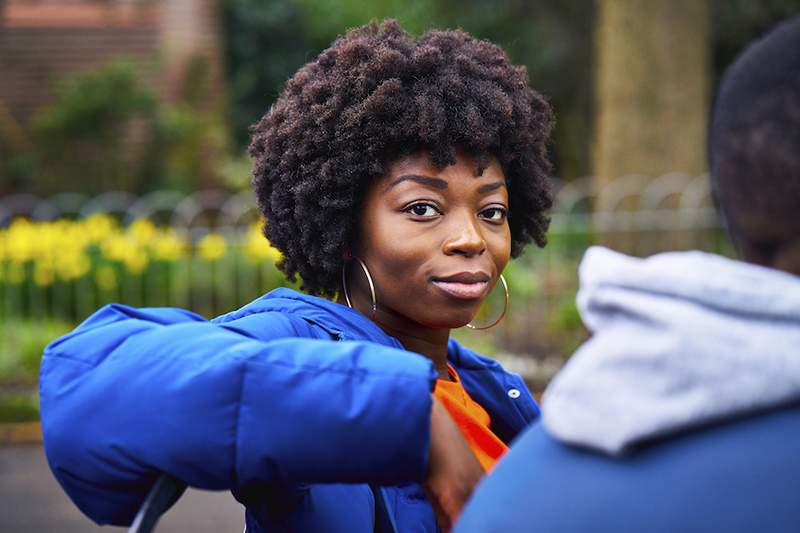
32	500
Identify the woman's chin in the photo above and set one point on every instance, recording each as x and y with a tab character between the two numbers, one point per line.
454	321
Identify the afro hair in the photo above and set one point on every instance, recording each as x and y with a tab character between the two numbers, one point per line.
375	95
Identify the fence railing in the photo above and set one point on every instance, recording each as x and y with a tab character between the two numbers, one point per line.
63	256
669	201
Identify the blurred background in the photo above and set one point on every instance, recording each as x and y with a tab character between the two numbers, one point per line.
124	177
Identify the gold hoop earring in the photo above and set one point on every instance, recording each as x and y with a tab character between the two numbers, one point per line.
369	280
503	314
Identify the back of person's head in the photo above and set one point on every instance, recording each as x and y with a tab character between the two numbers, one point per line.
755	149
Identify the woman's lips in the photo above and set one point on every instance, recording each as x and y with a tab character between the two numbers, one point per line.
465	291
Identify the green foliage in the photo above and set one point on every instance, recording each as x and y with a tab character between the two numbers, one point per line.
107	130
236	172
19	408
21	345
482	342
189	148
97	104
327	19
265	43
735	23
89	135
518	274
566	327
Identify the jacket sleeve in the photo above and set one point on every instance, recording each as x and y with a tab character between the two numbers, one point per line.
133	393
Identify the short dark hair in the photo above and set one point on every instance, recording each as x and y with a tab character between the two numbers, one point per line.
754	143
375	95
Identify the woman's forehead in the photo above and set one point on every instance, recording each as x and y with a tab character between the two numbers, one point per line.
421	164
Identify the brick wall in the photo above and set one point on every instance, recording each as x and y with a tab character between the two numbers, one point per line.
190	30
42	41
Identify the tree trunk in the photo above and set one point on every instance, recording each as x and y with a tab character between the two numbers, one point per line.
652	86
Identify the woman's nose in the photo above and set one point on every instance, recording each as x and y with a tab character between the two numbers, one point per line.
465	237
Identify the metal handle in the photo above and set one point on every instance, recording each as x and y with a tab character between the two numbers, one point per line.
162	496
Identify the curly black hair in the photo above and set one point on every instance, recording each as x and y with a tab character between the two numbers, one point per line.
378	94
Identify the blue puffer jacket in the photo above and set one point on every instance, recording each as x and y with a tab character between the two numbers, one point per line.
259	401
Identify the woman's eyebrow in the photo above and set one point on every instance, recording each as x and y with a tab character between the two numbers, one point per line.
489	187
436	183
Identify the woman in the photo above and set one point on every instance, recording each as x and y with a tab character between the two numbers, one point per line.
400	175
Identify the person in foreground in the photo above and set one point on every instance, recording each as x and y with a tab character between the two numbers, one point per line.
397	175
682	412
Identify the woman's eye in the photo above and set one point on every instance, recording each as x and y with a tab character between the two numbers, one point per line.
423	210
494	214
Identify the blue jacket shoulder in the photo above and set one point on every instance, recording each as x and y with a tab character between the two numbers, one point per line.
132	393
737	476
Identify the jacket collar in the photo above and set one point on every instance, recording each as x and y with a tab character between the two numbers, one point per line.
502	394
343	322
348	324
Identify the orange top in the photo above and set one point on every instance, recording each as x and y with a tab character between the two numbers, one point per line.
472	420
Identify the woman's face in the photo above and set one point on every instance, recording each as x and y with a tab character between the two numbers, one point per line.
434	240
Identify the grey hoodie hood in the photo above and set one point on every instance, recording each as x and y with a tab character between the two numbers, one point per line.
679	340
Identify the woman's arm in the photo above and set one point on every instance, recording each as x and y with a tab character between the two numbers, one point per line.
132	393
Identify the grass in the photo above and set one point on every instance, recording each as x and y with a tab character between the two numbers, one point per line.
19	408
22	342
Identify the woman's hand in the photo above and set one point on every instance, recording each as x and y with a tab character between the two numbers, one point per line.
453	470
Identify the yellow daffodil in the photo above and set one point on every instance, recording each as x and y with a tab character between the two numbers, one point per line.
72	266
142	230
67	250
98	226
168	245
257	247
212	247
